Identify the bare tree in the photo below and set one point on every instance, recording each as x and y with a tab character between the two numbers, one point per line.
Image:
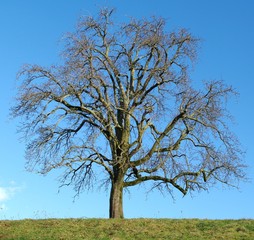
122	100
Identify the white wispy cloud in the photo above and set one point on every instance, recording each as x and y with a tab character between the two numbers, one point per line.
4	195
8	192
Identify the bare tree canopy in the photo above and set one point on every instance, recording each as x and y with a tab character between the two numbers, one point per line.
123	100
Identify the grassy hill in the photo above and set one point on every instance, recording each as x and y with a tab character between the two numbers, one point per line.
132	229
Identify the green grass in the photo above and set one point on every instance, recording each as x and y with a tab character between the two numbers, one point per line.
103	229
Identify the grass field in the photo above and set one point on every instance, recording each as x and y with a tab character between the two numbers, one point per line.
132	229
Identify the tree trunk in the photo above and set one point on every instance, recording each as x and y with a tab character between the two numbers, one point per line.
116	199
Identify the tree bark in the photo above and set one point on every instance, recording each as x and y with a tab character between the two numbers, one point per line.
116	199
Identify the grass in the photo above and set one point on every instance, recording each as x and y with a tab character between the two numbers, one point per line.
104	229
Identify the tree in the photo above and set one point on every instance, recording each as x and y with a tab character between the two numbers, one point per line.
123	100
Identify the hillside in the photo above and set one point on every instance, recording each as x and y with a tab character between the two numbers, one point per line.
191	229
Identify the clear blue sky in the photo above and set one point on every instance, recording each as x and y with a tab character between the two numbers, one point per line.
30	32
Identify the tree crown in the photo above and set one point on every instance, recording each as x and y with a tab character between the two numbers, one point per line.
123	100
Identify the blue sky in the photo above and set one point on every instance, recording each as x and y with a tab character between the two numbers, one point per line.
30	32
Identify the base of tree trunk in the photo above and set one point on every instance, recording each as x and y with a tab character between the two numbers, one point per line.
116	201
